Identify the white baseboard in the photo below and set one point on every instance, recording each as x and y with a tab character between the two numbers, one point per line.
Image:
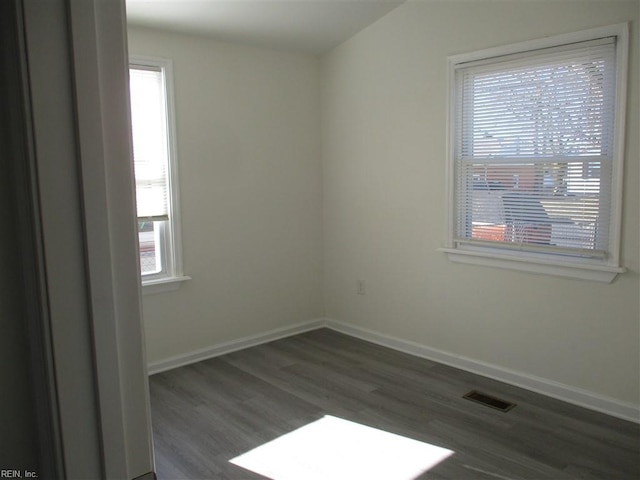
233	346
550	388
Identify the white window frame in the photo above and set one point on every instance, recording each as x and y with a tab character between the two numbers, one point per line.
171	276
602	270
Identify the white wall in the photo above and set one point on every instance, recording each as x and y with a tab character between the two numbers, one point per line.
383	126
250	189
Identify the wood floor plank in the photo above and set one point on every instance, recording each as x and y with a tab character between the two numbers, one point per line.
208	413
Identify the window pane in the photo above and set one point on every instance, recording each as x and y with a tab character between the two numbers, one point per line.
150	147
553	106
539	203
149	241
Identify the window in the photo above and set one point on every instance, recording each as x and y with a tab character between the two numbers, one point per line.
535	155
155	172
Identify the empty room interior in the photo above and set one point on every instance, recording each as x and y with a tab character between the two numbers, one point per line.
374	239
322	276
319	275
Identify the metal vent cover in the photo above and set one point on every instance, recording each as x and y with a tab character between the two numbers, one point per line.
489	401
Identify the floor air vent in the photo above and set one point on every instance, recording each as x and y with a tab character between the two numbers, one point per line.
489	401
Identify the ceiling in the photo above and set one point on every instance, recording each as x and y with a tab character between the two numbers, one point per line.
310	26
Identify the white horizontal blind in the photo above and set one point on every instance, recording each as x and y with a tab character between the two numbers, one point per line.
534	150
150	142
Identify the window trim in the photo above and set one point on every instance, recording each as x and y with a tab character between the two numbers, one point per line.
171	276
602	271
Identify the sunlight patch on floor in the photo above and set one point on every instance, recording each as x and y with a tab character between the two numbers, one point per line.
336	449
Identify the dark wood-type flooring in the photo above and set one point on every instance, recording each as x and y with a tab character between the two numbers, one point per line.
210	412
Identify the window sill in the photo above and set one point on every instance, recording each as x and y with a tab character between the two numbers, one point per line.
162	285
597	273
